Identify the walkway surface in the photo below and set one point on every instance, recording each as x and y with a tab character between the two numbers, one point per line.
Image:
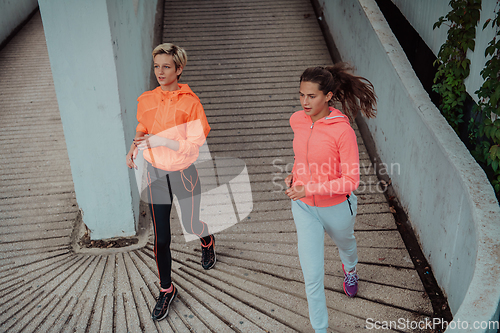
245	59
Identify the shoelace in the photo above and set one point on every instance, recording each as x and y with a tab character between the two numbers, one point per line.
161	298
207	252
351	279
208	255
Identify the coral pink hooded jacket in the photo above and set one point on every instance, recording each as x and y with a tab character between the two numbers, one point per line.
326	158
176	115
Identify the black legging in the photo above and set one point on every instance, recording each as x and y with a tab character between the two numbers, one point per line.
186	186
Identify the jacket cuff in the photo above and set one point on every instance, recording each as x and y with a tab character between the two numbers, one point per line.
311	189
185	147
141	128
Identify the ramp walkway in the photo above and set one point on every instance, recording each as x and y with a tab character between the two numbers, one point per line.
245	60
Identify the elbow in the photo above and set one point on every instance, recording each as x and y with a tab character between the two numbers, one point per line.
187	148
351	184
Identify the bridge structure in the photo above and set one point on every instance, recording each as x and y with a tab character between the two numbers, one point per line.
245	60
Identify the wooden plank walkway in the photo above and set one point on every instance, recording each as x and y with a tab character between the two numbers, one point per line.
245	60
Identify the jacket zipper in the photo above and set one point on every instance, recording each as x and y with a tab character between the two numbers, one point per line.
307	160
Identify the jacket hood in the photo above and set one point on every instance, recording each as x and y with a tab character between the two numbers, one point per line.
335	116
184	90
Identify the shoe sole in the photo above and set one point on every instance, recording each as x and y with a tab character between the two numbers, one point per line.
168	307
215	260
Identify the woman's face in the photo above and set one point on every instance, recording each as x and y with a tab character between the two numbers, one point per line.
314	102
165	71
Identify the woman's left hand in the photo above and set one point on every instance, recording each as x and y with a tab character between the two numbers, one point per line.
150	141
296	192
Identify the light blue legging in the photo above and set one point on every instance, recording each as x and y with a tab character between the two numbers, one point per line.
311	223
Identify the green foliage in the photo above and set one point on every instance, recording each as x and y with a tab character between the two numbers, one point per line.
453	65
452	69
487	135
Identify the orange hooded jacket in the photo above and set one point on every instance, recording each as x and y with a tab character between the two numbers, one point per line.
177	115
326	158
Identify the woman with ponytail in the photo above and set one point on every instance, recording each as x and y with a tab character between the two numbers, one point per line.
325	175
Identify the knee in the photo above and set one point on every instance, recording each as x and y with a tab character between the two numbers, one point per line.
314	280
197	227
163	243
347	244
315	289
314	285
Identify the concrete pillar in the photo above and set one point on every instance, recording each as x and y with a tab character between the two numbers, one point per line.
100	54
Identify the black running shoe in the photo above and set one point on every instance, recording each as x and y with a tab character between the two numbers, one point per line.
208	254
161	309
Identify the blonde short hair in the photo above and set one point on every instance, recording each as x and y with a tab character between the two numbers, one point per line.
178	54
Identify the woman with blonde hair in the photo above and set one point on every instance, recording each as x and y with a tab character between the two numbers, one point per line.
172	127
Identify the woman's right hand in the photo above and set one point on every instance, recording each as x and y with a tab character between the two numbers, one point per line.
132	154
288	180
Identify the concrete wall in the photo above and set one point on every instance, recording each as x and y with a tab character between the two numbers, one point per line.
13	13
100	54
449	201
422	15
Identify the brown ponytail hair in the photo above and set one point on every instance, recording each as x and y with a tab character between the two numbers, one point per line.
353	92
